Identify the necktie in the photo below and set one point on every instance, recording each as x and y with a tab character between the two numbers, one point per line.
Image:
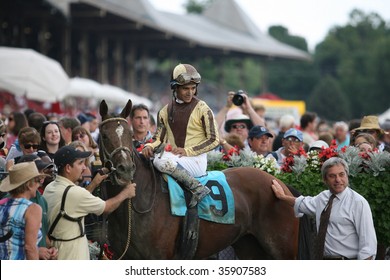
324	221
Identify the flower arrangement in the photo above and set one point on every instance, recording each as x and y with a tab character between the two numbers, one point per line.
369	175
219	160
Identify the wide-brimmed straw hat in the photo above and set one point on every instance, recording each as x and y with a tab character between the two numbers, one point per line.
19	174
369	122
240	118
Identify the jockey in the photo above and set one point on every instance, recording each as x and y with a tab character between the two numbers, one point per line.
188	125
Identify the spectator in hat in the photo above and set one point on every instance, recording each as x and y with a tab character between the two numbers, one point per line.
318	145
46	251
292	142
84	120
68	234
286	122
21	218
230	111
370	125
240	126
259	140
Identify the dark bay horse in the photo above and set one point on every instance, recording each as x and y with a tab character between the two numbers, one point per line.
143	228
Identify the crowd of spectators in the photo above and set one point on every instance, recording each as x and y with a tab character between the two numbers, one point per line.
33	137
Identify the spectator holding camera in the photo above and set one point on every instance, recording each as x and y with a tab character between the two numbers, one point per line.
228	113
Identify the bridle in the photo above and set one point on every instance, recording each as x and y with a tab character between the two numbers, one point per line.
107	162
107	156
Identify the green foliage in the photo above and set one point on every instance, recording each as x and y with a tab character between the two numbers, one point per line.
281	33
292	80
377	192
328	94
354	55
196	6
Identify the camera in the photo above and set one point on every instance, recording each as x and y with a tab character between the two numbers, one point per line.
238	98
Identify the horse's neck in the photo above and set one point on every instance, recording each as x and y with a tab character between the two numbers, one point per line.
148	182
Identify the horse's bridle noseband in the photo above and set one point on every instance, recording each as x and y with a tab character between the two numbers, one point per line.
107	157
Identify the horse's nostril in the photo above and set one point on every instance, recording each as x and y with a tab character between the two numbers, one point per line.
120	168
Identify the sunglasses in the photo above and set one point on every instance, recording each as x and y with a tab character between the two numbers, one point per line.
237	126
2	135
29	146
79	136
185	78
10	119
292	139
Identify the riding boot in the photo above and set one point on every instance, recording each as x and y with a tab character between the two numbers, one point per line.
190	183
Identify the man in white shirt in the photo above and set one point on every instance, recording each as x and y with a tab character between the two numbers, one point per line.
350	233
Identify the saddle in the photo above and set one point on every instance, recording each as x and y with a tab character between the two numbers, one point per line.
216	207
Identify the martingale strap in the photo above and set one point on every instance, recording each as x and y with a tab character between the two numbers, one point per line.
63	214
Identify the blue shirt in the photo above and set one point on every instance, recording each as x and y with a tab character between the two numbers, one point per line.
12	213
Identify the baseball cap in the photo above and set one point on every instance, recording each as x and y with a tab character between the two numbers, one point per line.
41	164
292	132
258	131
67	155
318	145
83	118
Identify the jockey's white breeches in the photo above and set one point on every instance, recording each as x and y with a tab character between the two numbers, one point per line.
196	165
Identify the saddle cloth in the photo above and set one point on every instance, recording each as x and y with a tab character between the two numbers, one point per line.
217	206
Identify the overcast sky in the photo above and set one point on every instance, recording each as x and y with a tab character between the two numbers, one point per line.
307	18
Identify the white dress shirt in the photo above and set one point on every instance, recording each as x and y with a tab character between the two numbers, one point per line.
351	231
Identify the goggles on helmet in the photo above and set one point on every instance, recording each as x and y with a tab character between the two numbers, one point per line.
186	78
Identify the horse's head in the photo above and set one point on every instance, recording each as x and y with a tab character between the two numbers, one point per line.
115	144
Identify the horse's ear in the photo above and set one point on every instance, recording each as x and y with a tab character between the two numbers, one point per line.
126	111
103	110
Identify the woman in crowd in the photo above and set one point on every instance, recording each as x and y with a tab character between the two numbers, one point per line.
365	142
16	121
80	133
20	218
28	140
51	139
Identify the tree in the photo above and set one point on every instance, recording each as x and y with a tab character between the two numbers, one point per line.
292	80
196	6
329	101
281	33
350	55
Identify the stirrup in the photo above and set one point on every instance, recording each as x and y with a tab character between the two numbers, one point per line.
198	195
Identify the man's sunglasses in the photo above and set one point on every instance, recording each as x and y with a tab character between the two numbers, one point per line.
237	126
